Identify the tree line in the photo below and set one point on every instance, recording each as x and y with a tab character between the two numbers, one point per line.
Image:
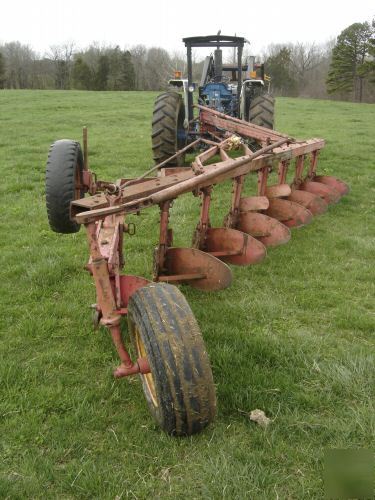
344	68
65	67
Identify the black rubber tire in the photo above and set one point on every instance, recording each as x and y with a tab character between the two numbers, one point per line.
167	120
63	171
183	399
262	110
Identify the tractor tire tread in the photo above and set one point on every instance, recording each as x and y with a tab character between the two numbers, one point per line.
167	109
262	111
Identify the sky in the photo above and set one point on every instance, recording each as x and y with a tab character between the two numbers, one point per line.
163	23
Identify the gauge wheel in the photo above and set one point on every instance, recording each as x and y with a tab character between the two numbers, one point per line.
179	390
64	184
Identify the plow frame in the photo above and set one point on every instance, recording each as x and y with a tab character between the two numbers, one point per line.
203	265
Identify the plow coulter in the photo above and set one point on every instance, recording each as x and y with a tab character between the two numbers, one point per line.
170	354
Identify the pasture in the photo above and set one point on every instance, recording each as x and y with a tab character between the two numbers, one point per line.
293	336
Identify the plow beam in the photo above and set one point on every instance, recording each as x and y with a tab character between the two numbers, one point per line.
269	231
209	116
234	247
187	182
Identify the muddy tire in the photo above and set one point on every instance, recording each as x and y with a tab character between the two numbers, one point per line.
262	111
179	390
63	184
168	127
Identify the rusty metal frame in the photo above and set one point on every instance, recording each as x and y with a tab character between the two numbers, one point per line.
104	212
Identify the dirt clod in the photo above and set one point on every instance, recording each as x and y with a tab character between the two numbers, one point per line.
259	417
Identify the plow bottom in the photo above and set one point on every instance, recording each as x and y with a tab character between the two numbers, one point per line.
289	213
254	203
334	183
196	268
235	247
278	191
267	230
328	193
315	204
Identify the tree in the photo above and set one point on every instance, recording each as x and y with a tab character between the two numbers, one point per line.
313	84
139	61
304	59
114	80
127	78
2	71
62	56
369	65
102	73
19	61
81	74
158	68
279	67
348	70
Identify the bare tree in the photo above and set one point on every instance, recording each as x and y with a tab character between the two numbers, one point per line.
62	56
304	58
178	62
139	53
157	68
19	62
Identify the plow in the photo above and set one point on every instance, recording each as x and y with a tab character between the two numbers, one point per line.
221	148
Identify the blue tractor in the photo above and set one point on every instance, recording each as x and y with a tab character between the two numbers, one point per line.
240	90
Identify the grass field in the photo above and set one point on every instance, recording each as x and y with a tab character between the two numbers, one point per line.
293	336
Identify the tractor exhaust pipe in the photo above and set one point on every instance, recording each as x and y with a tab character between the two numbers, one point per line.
218	65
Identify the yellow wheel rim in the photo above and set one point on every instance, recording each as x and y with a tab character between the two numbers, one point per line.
147	377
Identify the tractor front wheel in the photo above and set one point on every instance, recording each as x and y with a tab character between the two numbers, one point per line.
179	390
63	184
262	110
168	133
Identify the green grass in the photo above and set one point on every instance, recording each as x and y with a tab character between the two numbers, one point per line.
293	336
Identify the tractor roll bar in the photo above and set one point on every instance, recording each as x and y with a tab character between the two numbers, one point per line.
215	42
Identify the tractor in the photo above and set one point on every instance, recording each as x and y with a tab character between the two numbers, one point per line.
240	90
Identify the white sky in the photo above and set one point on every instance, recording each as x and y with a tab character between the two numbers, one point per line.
163	23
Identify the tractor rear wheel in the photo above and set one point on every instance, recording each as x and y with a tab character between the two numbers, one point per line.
168	133
179	390
262	110
63	184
